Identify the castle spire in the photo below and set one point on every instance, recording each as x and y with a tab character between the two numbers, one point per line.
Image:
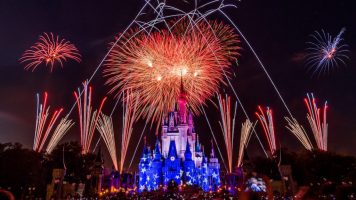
188	153
171	121
172	152
182	101
145	150
157	150
190	118
181	84
197	145
212	154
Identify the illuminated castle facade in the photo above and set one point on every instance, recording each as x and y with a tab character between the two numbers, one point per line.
180	157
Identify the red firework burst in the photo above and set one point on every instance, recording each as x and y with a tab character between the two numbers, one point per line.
153	65
49	49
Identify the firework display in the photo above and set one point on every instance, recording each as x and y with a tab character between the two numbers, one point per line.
43	128
129	117
106	130
227	125
87	117
153	65
164	68
61	129
318	125
266	119
326	52
246	132
49	50
299	132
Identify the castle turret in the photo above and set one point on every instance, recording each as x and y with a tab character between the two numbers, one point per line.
157	152
171	122
188	153
189	166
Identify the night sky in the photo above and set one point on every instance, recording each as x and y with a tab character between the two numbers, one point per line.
278	30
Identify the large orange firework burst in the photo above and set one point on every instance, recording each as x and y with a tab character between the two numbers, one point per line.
49	49
154	65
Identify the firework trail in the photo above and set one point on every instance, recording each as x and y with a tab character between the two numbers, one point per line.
298	131
319	129
49	49
227	125
87	118
106	130
152	65
326	52
43	128
61	129
268	127
246	132
129	116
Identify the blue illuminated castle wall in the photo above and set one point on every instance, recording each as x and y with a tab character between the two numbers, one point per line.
179	156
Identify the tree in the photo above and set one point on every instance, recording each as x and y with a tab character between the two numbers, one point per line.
21	170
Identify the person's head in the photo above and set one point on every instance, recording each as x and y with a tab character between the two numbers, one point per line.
6	195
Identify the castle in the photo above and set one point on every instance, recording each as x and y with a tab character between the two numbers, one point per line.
180	158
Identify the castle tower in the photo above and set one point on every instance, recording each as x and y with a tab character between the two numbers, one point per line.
205	182
156	167
143	168
178	127
214	169
98	172
189	167
54	189
190	121
183	125
198	154
182	102
181	157
172	168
